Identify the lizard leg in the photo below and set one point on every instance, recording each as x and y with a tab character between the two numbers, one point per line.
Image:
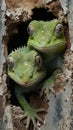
30	112
48	85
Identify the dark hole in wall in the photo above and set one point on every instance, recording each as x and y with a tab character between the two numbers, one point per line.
42	14
21	38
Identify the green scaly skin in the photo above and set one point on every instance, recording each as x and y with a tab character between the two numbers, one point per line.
26	68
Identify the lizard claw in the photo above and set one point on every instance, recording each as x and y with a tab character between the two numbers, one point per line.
33	116
47	89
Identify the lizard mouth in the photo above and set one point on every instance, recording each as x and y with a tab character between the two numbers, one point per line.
33	82
49	48
27	83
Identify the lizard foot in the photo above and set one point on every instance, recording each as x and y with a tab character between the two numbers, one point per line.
48	86
49	83
32	115
30	112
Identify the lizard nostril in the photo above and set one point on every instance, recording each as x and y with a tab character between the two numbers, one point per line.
21	76
48	40
31	75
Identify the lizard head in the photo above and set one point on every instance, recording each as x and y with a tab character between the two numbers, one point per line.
25	66
46	36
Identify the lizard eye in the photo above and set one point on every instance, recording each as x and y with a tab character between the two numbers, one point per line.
38	61
30	30
59	29
10	62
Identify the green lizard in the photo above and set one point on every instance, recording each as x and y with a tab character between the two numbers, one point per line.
26	68
48	38
49	41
